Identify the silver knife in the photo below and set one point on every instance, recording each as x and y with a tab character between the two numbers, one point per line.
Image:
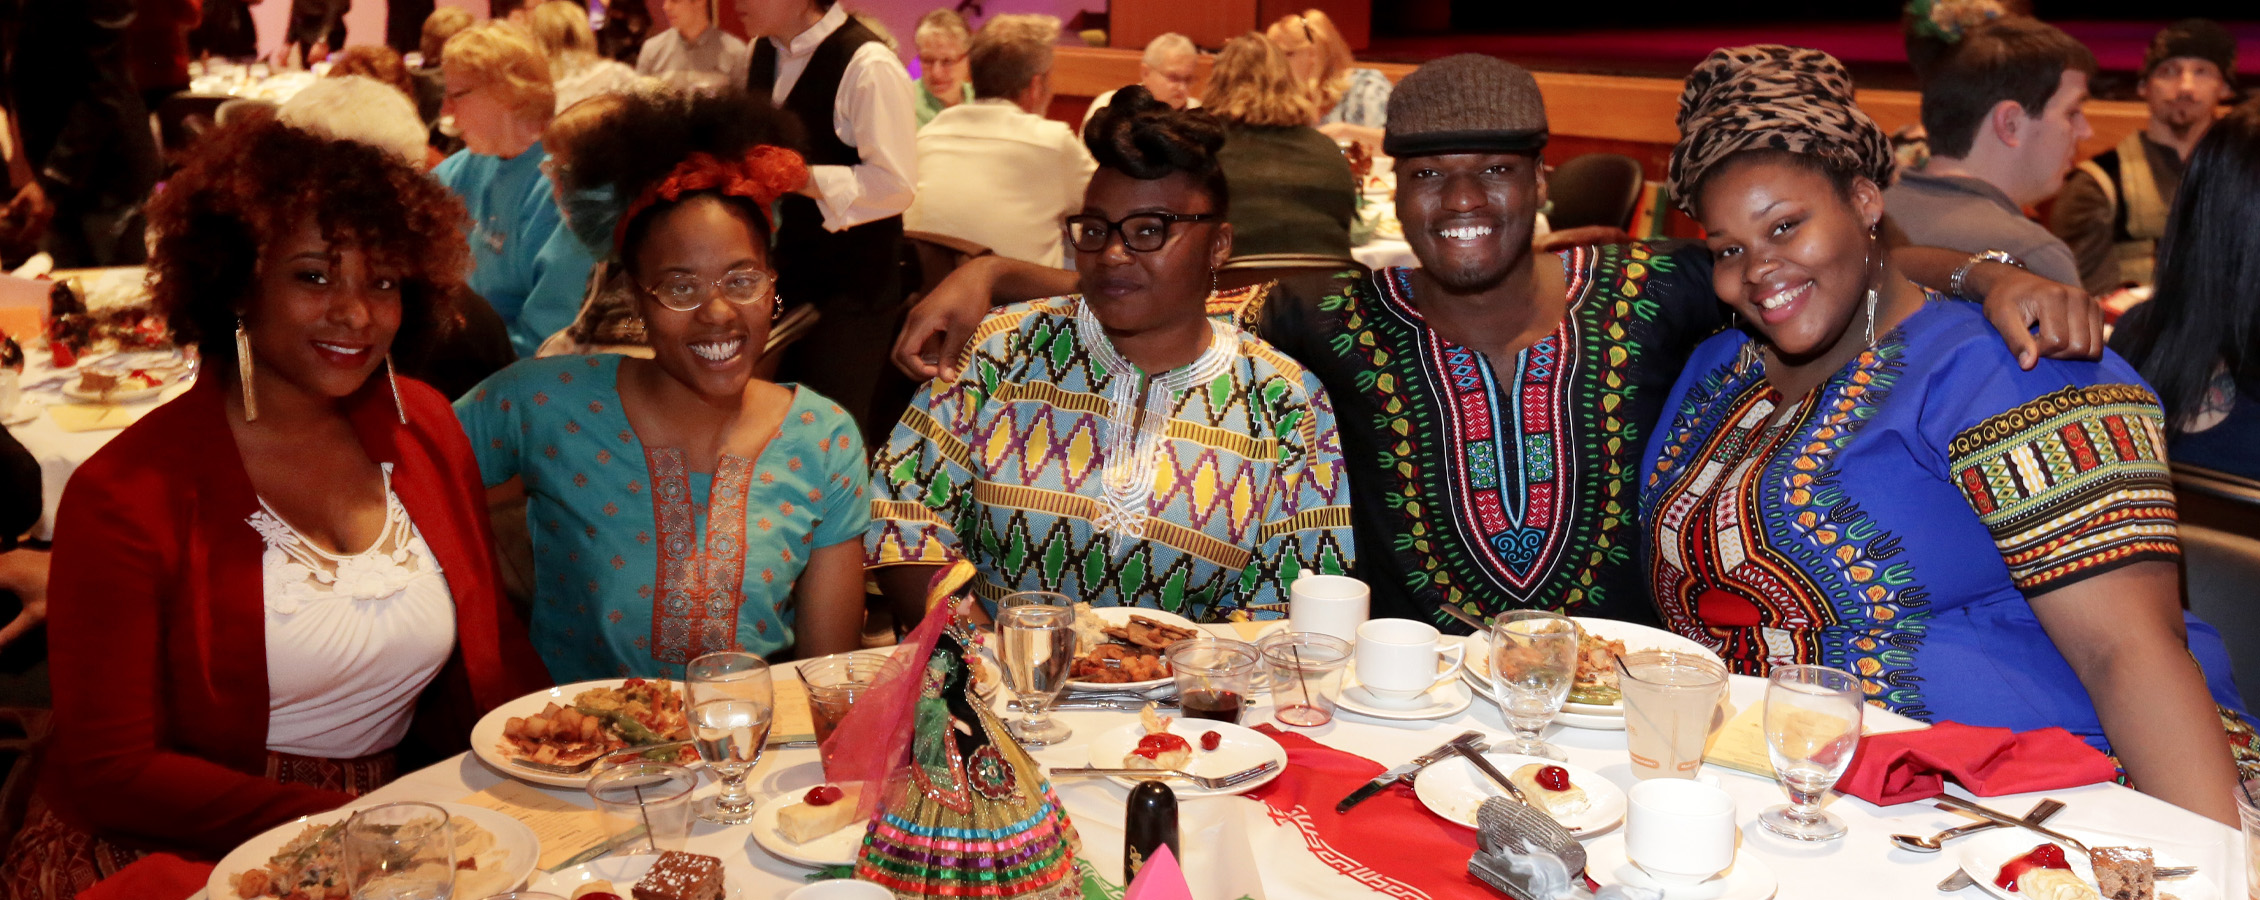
1399	773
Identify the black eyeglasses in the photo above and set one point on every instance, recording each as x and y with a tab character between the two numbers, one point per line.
1141	232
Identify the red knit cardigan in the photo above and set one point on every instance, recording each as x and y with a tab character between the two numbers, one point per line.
157	623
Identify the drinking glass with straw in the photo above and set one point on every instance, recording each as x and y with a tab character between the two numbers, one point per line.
646	806
1306	675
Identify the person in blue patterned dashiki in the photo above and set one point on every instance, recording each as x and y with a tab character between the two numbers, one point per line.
1119	446
1862	477
680	505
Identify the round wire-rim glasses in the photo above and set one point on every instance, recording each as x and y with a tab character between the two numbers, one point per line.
686	292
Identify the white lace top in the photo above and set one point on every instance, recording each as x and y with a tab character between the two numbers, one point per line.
351	638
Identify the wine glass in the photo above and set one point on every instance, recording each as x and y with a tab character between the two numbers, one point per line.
400	851
1038	651
1812	727
1533	662
731	706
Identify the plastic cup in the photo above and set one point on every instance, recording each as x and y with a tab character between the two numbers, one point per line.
1215	677
1306	675
649	799
1668	700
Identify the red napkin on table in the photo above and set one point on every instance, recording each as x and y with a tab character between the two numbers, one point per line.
1390	837
1906	766
158	876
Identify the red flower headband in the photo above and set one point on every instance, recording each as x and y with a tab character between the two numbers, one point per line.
762	175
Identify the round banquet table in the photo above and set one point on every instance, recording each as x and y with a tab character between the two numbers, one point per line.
61	452
1233	849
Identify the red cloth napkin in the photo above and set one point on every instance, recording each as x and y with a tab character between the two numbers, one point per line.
1390	837
158	876
1906	766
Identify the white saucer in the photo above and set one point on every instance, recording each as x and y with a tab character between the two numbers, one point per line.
836	849
1448	698
1750	879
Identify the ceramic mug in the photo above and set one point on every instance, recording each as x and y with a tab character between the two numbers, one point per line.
1328	604
1679	831
1397	660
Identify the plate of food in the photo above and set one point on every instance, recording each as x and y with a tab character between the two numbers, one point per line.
1585	803
1156	741
670	874
305	859
131	386
2040	869
1121	646
816	827
574	724
1595	691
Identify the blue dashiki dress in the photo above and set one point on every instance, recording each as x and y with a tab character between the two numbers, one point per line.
1033	467
639	564
1893	522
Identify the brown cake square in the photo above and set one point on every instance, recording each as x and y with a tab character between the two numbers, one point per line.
2124	873
681	876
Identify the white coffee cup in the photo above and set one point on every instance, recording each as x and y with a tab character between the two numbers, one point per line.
1679	831
1328	604
1398	660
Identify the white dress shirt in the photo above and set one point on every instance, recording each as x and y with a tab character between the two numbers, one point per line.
875	112
997	175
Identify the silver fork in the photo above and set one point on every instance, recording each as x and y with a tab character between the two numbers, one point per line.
1216	783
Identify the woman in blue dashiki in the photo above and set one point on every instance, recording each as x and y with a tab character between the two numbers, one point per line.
1120	446
1865	479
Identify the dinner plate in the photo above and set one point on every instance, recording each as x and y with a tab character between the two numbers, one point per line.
1749	878
1117	616
1449	697
1636	637
1238	748
510	836
76	394
836	849
1983	855
1565	718
27	409
1454	790
622	871
486	735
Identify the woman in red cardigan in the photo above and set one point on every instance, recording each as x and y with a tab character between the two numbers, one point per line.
259	586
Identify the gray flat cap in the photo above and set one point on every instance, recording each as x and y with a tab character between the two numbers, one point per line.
1468	103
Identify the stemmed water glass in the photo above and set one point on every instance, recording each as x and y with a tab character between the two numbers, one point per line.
1036	638
400	851
731	706
1533	662
1812	728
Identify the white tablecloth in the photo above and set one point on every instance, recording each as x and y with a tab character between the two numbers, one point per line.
60	452
1233	849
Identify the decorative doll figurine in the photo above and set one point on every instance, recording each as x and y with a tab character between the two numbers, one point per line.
963	810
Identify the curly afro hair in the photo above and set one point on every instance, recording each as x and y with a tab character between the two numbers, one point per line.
643	138
1145	139
248	183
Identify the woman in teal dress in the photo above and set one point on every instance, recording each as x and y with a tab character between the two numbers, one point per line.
679	505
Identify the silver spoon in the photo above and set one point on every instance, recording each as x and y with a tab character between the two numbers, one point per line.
2040	813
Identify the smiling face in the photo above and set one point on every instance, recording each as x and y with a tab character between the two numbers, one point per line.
1792	251
1134	292
323	315
712	349
2183	92
1468	216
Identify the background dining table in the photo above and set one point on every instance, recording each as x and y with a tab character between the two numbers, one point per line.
1233	848
59	451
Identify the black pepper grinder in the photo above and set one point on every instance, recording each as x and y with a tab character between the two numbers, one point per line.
1152	823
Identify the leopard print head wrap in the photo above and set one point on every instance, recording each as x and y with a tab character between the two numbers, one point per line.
1768	96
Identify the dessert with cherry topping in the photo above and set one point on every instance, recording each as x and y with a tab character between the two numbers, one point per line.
1549	788
1158	749
826	808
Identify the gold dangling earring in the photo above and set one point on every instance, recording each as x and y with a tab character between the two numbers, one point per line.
392	378
243	371
1875	233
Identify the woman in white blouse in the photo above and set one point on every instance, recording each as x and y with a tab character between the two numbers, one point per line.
258	587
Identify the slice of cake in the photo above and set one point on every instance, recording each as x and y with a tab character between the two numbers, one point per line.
2053	884
682	876
824	809
2125	873
1158	749
1549	787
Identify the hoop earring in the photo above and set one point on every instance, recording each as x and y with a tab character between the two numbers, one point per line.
392	377
243	371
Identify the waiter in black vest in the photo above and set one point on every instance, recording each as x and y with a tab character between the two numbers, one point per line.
837	237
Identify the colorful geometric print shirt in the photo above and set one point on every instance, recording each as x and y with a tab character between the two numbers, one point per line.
1893	522
1502	484
1026	466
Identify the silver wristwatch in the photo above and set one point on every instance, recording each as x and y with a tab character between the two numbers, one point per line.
1954	284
